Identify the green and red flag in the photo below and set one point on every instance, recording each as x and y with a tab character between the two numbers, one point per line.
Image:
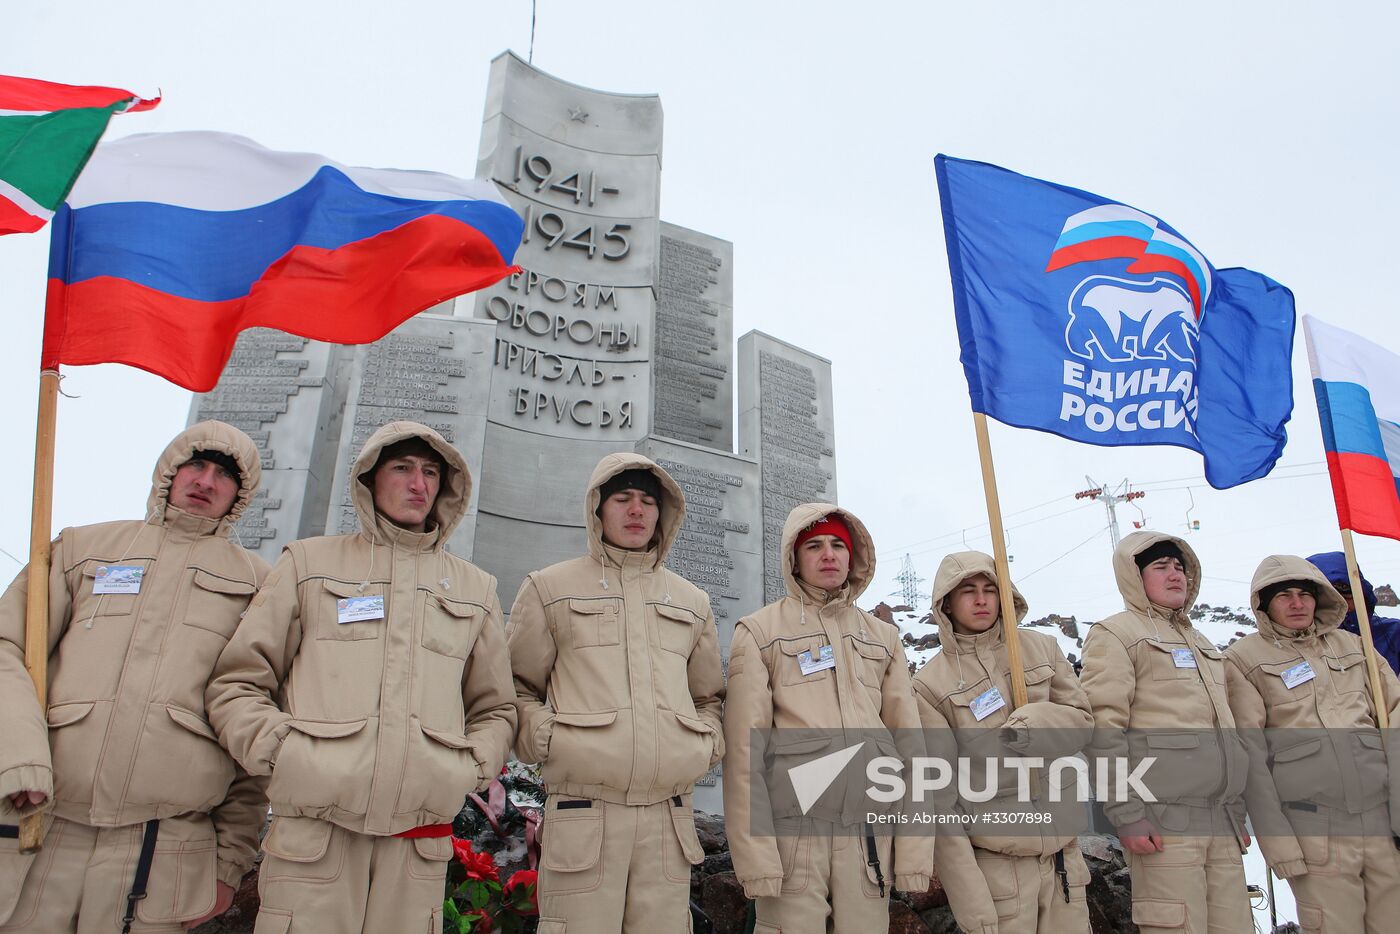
47	133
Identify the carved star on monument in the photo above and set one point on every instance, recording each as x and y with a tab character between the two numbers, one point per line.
578	113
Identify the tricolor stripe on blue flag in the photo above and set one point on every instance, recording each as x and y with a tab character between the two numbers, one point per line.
1101	323
1358	403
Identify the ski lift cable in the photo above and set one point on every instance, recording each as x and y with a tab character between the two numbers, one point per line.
1097	533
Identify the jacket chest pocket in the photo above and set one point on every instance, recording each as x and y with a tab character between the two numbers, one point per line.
792	654
594	622
872	660
1038	683
350	612
974	702
1348	673
1173	662
1276	692
1213	670
110	588
675	628
448	627
216	604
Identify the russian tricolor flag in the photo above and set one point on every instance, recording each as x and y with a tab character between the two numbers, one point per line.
170	244
1358	403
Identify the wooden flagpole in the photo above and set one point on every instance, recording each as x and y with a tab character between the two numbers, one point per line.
1363	623
1008	601
36	616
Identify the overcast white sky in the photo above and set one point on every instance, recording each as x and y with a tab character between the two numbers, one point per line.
805	133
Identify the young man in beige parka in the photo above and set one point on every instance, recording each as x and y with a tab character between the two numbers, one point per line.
1033	880
138	614
370	679
1320	793
1157	689
811	667
618	686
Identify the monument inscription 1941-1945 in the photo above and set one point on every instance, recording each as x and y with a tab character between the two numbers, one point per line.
618	334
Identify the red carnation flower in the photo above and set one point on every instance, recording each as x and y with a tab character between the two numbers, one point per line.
478	865
519	892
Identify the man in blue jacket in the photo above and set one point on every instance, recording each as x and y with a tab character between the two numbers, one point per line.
1384	632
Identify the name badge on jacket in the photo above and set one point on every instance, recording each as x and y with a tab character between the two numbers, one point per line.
823	660
357	609
1182	658
1298	674
987	703
118	578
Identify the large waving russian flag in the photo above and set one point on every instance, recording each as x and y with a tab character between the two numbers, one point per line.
170	244
1358	402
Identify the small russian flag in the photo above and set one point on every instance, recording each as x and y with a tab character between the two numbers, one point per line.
1358	402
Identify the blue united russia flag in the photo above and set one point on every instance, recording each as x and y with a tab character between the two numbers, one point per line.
1101	323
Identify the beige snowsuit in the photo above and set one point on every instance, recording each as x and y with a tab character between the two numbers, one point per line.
618	687
124	739
369	726
1321	795
1027	882
1148	670
812	871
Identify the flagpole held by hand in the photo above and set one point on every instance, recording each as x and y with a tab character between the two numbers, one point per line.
1008	600
36	615
1363	623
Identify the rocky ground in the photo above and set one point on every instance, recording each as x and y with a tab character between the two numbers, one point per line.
715	889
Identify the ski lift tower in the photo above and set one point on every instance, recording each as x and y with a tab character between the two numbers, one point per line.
1110	500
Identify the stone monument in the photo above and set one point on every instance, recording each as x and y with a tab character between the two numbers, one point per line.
616	335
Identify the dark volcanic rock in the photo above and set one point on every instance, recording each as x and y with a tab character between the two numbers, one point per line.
721	897
903	920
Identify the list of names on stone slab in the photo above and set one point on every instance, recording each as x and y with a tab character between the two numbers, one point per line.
793	445
700	553
689	363
252	394
403	378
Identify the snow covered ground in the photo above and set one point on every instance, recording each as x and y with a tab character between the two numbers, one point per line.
1222	625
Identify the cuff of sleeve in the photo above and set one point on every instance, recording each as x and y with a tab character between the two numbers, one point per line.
262	758
915	883
532	743
231	874
1126	813
26	778
1290	869
766	887
1016	737
482	779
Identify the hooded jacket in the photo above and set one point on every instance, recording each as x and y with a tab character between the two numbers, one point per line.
1149	670
1054	722
124	738
1385	633
1316	742
867	691
618	682
378	724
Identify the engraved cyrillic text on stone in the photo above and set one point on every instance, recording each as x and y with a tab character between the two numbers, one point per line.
700	553
691	366
793	444
403	378
251	395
